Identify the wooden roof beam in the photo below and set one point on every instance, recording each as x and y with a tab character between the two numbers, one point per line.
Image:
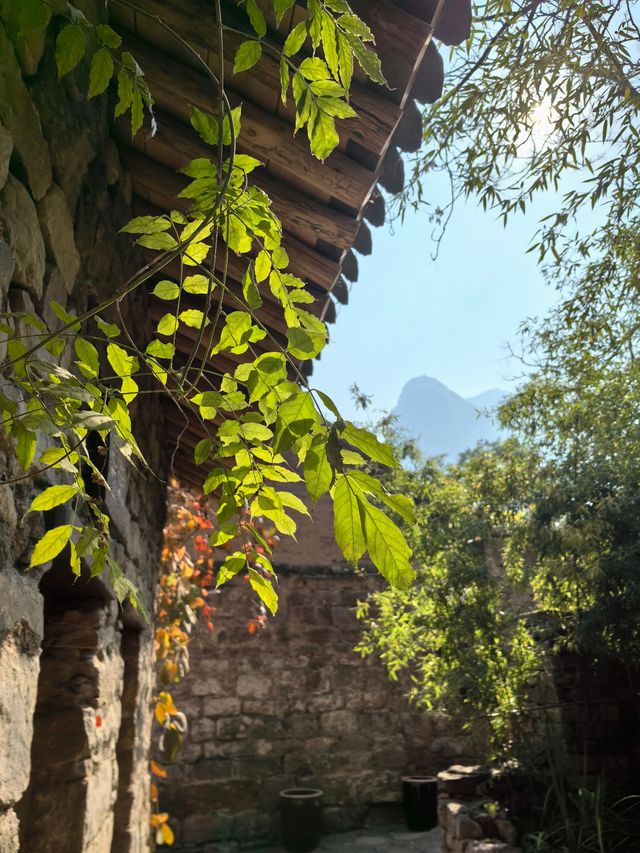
176	87
195	22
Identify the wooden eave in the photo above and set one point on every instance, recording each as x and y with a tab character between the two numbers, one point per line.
324	208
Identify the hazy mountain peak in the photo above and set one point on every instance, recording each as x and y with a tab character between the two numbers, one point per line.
443	422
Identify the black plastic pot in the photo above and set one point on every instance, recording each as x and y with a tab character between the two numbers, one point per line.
301	819
420	800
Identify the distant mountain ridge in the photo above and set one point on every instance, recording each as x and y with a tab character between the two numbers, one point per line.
443	422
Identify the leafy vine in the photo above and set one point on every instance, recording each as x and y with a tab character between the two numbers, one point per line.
251	417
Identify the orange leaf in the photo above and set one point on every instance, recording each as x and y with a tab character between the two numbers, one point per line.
158	771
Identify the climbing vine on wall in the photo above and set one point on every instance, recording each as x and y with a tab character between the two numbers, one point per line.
185	596
252	416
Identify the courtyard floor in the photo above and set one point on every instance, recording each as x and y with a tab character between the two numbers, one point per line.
379	839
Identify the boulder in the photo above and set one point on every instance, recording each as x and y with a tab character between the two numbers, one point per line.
20	117
57	229
19	217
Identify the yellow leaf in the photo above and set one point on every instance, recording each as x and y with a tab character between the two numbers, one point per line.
167	834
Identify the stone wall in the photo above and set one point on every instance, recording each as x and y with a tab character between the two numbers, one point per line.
292	705
472	820
76	673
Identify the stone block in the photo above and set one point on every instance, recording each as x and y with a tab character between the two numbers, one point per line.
9	832
20	117
220	706
7	262
19	668
339	722
462	780
466	827
254	685
20	220
6	148
57	229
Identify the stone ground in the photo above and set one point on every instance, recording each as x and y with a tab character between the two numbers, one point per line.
379	839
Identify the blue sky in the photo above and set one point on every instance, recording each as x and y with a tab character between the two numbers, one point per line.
451	318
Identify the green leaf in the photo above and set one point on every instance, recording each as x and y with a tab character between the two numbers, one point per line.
71	45
306	343
109	330
125	366
88	358
280	258
137	112
353	24
314	68
205	126
264	589
57	457
223	534
167	325
63	315
202	450
101	71
160	349
328	89
347	521
399	503
386	545
238	332
250	290
246	163
295	39
323	135
74	560
53	496
330	43
326	399
369	445
233	564
318	474
108	37
246	56
281	7
26	444
51	544
197	285
336	107
193	318
160	242
295	418
284	81
369	62
257	18
93	420
236	235
166	290
146	225
125	92
236	114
